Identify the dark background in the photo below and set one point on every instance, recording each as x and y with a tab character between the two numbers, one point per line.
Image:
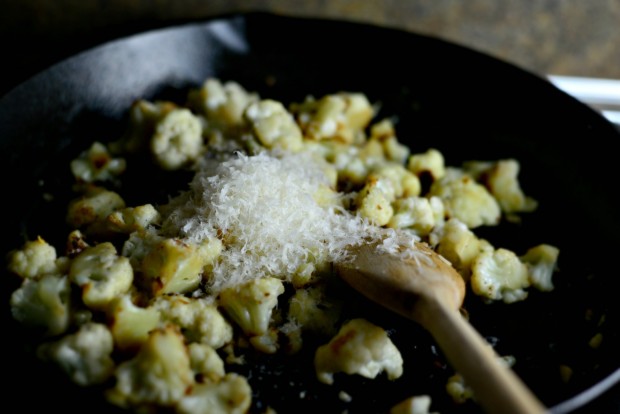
546	36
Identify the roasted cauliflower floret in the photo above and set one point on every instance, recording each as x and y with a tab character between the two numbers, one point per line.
251	306
102	275
419	214
198	318
177	140
341	117
131	219
206	362
160	374
273	125
34	259
130	324
139	244
143	116
419	404
499	275
223	103
89	211
96	164
177	266
360	347
404	183
230	395
383	133
467	200
314	310
43	304
501	178
374	201
460	246
85	356
541	262
430	162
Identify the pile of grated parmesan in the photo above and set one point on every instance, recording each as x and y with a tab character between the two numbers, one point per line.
265	208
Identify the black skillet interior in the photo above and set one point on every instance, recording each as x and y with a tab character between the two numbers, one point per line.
466	104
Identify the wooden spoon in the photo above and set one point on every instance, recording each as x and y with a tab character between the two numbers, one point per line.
426	288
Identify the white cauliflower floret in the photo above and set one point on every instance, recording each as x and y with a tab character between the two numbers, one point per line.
223	104
90	210
131	219
177	266
198	318
139	244
420	214
177	140
499	275
351	168
466	200
34	259
404	183
430	162
251	306
160	374
102	274
130	324
501	178
383	132
374	201
43	304
84	356
419	404
143	115
97	164
273	125
205	361
541	262
459	245
339	117
314	311
230	395
360	347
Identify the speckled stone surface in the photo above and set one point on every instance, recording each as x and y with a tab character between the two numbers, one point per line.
567	37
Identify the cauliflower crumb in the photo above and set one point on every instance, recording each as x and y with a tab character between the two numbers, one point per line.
359	348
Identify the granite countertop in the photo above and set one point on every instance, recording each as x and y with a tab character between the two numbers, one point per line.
546	36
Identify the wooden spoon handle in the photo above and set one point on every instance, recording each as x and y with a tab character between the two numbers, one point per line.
496	387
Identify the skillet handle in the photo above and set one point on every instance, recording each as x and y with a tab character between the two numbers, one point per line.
496	387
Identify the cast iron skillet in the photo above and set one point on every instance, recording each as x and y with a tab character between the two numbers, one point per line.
468	105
